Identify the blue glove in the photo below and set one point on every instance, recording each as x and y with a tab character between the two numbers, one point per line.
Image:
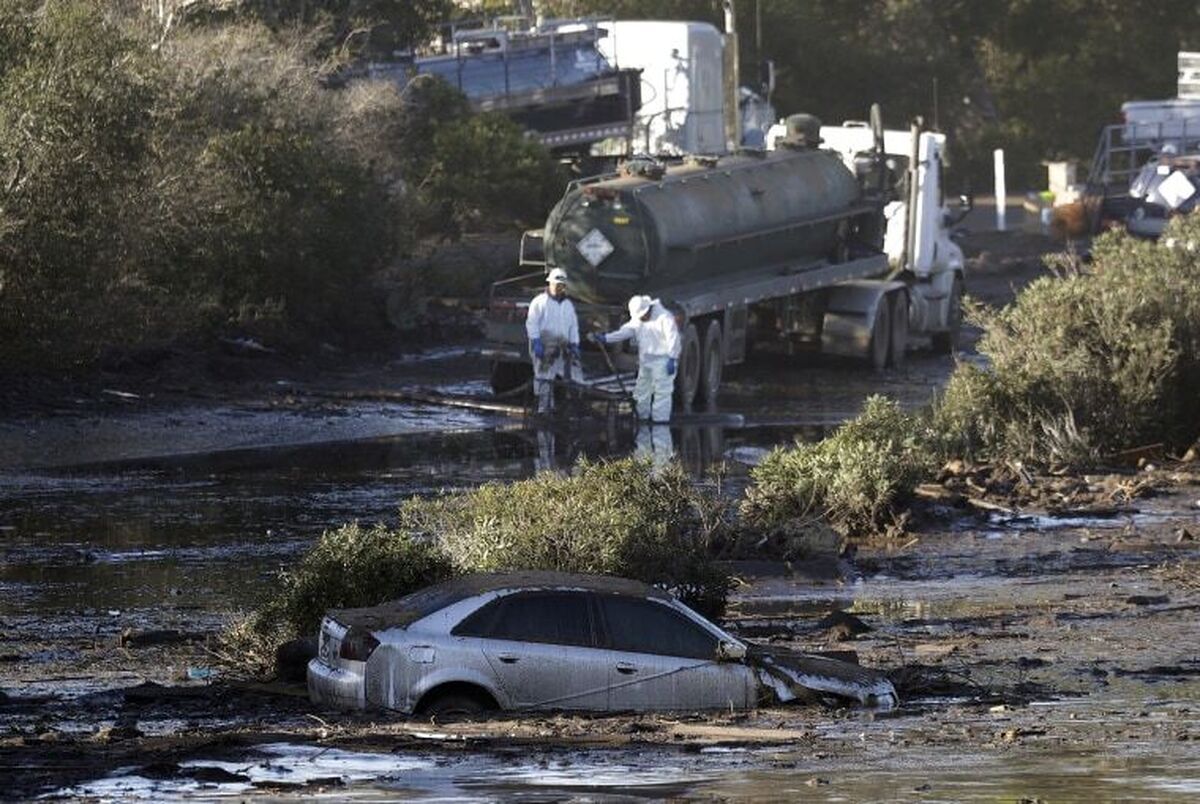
539	351
575	349
671	366
598	337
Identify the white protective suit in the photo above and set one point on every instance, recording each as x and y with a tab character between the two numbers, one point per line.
658	340
554	321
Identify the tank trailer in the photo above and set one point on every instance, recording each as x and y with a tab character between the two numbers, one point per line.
836	239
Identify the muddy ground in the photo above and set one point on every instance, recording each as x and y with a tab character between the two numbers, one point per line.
1042	636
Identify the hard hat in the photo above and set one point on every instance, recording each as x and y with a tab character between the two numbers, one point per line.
557	275
639	306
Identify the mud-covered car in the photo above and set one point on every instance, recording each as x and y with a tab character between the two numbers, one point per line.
543	641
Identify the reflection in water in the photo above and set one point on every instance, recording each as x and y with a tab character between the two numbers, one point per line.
654	444
213	531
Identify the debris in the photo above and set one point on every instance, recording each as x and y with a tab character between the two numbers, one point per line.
933	650
840	626
166	636
125	395
1147	600
1184	535
199	673
1092	512
245	346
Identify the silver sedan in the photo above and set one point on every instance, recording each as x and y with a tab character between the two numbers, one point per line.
544	640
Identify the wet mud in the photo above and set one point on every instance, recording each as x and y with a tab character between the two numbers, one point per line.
1043	645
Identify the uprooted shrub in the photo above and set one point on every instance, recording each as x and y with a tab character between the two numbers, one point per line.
609	518
612	518
855	478
1089	363
350	566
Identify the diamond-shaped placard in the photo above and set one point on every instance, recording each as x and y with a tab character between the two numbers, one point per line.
594	247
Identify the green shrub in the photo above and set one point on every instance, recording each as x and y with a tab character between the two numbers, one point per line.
609	518
855	477
1088	363
350	566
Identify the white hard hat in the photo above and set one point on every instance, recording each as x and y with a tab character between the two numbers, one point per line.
639	306
557	275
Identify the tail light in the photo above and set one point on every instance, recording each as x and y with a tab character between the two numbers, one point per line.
358	645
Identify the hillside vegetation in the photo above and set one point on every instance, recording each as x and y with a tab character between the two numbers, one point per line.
164	185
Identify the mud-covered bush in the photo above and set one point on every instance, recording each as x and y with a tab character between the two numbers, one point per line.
1099	359
855	478
351	566
609	518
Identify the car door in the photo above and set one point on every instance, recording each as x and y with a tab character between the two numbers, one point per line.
542	648
661	659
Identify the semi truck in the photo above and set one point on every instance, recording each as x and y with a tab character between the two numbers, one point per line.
835	239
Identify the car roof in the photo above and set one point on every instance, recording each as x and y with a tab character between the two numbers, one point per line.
412	607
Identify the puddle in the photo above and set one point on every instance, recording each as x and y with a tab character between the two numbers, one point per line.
542	775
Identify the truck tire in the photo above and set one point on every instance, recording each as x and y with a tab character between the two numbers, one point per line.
879	348
687	373
946	343
898	339
712	364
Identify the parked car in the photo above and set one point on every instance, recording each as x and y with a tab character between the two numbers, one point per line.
546	640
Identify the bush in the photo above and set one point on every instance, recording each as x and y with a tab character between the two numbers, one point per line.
1088	364
855	477
608	518
166	185
349	567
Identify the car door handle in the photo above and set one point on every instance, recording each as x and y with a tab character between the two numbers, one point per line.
626	669
508	658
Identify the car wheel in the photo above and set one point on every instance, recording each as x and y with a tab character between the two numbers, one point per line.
454	707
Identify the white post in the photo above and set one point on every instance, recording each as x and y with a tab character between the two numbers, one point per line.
1001	190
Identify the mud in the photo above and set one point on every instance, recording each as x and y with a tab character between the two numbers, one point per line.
1040	631
1032	663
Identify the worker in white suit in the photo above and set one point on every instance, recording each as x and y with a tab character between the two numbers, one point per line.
553	331
658	343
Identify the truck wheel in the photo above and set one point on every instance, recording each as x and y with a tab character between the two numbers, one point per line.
881	329
898	340
712	362
687	373
946	343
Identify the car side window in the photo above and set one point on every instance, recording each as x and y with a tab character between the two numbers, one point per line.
557	618
479	622
643	626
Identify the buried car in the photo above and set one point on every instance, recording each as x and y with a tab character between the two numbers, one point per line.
549	640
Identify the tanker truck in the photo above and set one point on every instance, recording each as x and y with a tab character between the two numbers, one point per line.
835	239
